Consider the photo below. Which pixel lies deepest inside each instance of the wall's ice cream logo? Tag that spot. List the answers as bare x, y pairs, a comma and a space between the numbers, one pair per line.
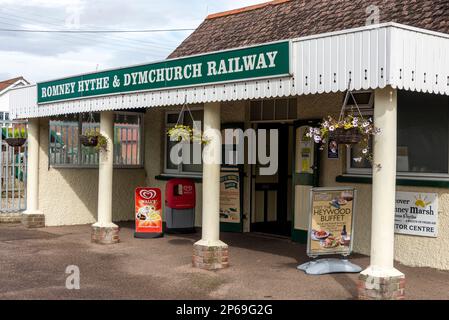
422, 202
147, 194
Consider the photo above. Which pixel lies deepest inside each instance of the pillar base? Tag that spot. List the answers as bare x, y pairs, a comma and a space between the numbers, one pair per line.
378, 286
210, 257
105, 235
11, 218
33, 220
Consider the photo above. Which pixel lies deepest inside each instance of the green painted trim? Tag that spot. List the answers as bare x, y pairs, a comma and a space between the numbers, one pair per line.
399, 181
303, 179
231, 227
299, 236
166, 177
343, 179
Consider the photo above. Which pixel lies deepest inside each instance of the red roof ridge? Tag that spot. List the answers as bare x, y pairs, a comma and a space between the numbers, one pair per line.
245, 9
9, 82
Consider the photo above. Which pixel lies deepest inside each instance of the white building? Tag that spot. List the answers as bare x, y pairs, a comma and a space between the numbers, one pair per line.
5, 87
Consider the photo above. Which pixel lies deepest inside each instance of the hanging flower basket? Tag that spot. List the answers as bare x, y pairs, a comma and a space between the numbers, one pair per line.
180, 133
183, 133
351, 128
15, 142
16, 137
93, 138
346, 136
89, 141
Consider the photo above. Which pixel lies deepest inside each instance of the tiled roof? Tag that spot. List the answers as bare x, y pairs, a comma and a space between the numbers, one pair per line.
6, 83
287, 19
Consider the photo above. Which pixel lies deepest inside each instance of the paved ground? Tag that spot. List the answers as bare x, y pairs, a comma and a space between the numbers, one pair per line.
33, 264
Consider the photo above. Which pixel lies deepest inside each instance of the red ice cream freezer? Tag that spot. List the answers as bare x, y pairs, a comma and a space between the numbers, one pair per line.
180, 200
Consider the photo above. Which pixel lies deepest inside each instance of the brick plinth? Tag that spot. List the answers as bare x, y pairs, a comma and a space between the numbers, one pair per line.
109, 235
381, 288
33, 220
210, 257
10, 218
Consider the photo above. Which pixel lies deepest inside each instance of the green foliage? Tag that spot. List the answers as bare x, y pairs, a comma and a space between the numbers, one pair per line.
102, 140
17, 133
186, 134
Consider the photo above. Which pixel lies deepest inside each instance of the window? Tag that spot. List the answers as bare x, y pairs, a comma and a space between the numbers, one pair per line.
4, 116
273, 110
422, 137
364, 99
65, 148
195, 167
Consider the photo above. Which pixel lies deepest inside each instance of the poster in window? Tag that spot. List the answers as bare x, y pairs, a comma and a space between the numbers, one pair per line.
305, 149
230, 196
332, 149
331, 221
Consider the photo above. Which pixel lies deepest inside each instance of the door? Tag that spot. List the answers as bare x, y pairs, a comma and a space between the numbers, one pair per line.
305, 177
272, 209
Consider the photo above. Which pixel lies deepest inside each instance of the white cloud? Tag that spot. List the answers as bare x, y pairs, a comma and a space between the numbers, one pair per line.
41, 56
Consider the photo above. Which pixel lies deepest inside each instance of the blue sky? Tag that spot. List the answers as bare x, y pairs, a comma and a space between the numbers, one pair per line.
41, 56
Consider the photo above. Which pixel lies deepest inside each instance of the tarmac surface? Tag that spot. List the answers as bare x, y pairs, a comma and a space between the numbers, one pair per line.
33, 266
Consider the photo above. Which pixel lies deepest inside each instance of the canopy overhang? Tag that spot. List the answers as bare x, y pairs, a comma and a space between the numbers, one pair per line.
366, 58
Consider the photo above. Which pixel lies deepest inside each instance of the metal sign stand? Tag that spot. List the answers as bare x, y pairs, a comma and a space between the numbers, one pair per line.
329, 265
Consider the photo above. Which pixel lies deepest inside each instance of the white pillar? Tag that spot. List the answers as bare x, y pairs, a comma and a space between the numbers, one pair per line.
211, 178
105, 173
33, 168
384, 185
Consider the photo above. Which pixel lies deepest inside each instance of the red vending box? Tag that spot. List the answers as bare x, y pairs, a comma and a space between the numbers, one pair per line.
180, 198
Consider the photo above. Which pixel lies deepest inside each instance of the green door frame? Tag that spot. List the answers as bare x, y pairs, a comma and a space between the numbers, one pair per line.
308, 179
282, 225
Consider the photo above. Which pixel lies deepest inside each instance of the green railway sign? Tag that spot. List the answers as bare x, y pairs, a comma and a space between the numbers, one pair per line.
263, 61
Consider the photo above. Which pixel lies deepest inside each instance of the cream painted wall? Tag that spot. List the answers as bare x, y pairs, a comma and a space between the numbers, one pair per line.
69, 196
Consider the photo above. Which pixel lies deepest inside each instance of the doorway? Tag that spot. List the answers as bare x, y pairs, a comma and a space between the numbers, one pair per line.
272, 194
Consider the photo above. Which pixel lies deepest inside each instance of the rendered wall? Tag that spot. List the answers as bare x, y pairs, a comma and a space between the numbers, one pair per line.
69, 196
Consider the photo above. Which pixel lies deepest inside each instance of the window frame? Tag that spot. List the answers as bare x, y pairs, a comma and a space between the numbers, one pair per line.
141, 147
177, 172
367, 172
274, 120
